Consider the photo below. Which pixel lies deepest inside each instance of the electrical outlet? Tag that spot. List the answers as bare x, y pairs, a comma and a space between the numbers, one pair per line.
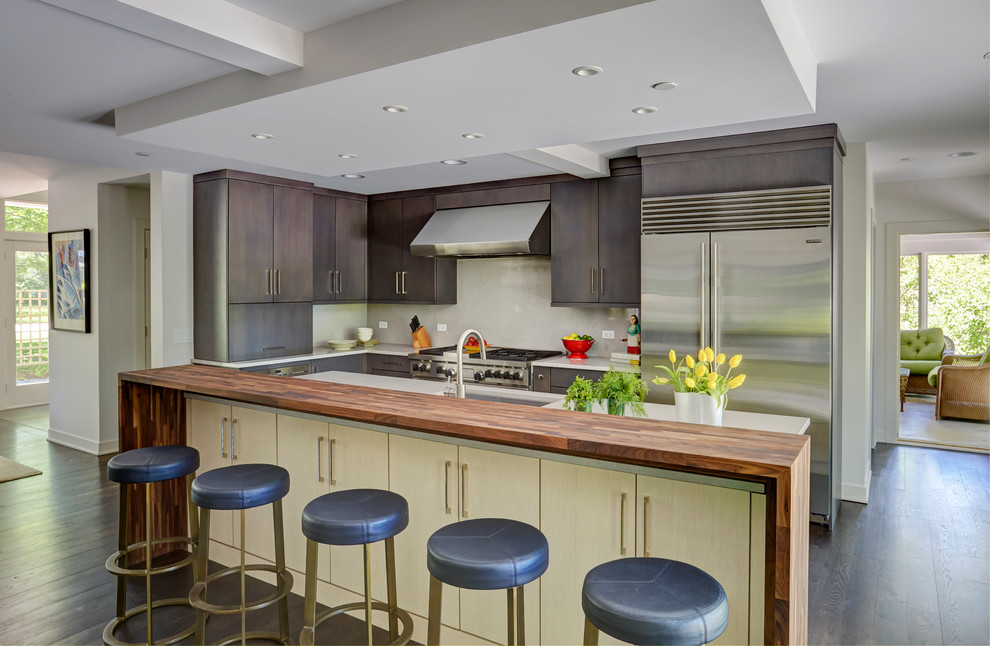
183, 335
608, 334
441, 327
382, 324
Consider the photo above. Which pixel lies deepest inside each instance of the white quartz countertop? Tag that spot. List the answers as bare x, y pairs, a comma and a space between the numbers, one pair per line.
319, 352
600, 364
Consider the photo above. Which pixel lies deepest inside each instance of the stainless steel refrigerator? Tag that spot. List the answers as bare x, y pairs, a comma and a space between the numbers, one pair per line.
749, 273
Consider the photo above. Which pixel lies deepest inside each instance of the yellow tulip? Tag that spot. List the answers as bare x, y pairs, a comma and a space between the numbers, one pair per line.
702, 355
689, 382
711, 379
661, 380
736, 381
673, 356
734, 361
700, 370
689, 360
720, 359
709, 355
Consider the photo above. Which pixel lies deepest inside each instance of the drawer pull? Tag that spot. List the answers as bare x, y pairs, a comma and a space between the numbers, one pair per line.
319, 459
622, 525
223, 440
464, 511
233, 452
446, 486
646, 527
333, 479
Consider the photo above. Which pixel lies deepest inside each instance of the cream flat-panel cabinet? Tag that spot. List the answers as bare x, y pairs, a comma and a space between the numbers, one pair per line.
425, 474
588, 517
226, 435
708, 527
498, 485
302, 450
358, 459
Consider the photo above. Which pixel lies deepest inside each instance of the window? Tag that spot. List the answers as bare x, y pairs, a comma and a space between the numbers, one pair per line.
26, 217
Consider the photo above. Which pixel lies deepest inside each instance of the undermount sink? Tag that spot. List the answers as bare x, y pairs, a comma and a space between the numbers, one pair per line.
505, 399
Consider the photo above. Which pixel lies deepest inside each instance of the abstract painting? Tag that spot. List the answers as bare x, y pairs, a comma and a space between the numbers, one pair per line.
69, 273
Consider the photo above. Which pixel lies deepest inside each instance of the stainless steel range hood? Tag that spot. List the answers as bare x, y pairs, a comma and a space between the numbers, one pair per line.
482, 231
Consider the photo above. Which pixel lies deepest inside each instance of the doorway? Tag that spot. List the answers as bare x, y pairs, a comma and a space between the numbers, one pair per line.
26, 323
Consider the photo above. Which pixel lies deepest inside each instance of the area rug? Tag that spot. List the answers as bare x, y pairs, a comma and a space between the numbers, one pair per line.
10, 470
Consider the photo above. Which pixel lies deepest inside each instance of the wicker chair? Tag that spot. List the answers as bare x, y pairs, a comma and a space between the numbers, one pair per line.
922, 350
962, 390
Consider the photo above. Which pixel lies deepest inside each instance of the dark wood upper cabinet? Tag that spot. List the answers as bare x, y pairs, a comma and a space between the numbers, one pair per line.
594, 242
395, 275
250, 217
293, 245
340, 249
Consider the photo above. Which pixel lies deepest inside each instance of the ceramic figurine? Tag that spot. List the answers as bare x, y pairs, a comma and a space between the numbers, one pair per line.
632, 343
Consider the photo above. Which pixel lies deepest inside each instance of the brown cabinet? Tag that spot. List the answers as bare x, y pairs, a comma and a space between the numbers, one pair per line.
395, 275
558, 380
387, 365
594, 242
340, 249
252, 266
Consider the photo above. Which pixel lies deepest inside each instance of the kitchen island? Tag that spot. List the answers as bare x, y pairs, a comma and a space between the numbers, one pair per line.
587, 480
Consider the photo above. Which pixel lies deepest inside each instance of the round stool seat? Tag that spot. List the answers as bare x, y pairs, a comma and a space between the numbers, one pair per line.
655, 601
241, 486
487, 554
355, 517
152, 464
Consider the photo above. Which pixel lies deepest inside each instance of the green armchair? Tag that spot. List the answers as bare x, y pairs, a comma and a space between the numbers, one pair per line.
922, 351
962, 383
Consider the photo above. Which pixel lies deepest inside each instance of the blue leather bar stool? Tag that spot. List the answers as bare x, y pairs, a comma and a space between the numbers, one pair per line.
145, 466
486, 554
242, 487
355, 517
653, 601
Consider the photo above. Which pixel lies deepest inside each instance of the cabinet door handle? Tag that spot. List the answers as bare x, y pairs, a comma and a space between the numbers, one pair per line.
446, 485
396, 283
646, 527
268, 274
403, 282
592, 281
330, 280
464, 511
233, 453
601, 281
278, 281
622, 525
333, 479
319, 459
339, 289
223, 440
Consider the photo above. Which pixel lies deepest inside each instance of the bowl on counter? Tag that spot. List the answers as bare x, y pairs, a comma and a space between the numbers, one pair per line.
577, 347
344, 344
364, 334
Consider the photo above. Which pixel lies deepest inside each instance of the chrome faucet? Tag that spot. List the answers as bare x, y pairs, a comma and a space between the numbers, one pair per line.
461, 392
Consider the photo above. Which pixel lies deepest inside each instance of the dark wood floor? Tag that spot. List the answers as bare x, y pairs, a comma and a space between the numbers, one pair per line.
910, 567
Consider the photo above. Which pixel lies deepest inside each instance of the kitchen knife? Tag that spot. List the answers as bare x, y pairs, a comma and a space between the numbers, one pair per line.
414, 324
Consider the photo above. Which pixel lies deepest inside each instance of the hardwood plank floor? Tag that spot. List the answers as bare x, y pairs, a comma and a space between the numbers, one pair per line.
913, 566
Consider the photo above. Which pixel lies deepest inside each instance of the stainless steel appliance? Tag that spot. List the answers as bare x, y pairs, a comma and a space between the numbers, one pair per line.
749, 273
504, 367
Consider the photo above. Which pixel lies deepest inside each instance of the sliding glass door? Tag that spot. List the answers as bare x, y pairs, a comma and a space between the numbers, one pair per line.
26, 318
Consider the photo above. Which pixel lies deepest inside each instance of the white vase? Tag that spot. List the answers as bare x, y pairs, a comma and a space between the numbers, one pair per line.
698, 408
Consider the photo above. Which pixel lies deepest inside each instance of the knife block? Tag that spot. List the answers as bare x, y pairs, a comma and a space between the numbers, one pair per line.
421, 338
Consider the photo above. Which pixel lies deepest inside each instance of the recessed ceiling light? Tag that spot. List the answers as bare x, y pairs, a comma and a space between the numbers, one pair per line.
586, 70
352, 176
906, 159
664, 85
263, 135
453, 162
394, 108
472, 135
967, 153
644, 109
143, 154
347, 155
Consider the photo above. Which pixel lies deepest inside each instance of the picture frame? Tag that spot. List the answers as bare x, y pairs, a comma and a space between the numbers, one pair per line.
69, 258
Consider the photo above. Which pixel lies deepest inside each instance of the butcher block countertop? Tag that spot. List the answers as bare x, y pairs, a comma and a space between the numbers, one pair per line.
779, 461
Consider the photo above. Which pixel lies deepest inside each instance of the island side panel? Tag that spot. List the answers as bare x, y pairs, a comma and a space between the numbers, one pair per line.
153, 416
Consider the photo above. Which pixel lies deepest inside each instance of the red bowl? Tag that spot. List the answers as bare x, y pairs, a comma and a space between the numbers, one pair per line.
577, 347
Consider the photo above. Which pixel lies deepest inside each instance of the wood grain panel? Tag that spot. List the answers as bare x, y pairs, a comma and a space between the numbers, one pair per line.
780, 462
492, 196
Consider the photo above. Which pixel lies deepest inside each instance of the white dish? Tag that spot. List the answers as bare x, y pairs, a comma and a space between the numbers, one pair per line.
343, 344
363, 336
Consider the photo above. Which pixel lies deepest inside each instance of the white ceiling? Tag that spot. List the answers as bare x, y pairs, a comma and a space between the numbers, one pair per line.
911, 83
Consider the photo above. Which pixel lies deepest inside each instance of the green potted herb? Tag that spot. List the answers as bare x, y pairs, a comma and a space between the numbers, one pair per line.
621, 387
580, 395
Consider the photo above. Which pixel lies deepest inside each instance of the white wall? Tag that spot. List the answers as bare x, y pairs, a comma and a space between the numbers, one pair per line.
171, 269
508, 301
854, 415
948, 205
74, 387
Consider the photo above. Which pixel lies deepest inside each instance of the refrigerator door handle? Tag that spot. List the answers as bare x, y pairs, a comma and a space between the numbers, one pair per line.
704, 296
714, 338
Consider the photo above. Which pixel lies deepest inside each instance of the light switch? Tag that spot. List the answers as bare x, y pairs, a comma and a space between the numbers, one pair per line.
382, 324
441, 327
184, 335
608, 334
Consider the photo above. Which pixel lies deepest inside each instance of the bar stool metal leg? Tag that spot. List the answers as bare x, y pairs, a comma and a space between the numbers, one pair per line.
283, 603
590, 633
393, 604
433, 614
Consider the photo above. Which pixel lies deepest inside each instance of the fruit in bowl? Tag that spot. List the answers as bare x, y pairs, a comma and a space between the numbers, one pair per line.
578, 344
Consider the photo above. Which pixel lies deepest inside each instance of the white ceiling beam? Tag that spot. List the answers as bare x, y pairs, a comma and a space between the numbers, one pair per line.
212, 28
792, 38
569, 158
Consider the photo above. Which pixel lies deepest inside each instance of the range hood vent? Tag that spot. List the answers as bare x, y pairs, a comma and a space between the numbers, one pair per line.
486, 231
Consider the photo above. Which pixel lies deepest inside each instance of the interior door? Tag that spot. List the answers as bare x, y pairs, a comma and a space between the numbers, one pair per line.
675, 284
26, 318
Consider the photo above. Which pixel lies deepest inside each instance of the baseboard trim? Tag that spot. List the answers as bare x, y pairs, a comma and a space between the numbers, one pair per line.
857, 493
81, 443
